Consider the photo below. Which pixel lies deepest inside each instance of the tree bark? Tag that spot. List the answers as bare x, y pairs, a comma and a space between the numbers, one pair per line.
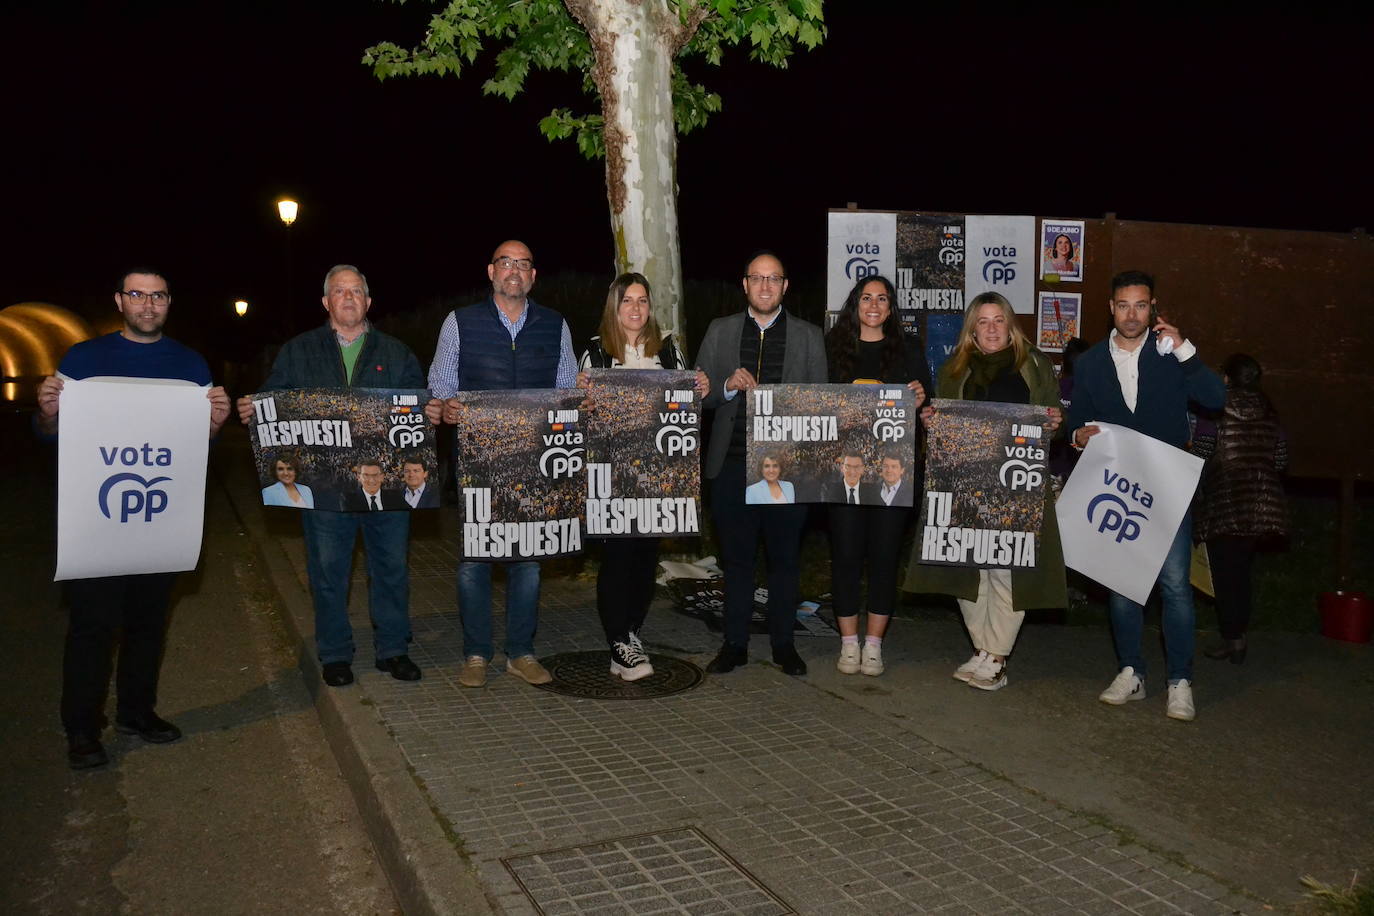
634, 43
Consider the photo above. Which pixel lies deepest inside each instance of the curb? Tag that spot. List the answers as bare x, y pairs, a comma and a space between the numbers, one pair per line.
428, 874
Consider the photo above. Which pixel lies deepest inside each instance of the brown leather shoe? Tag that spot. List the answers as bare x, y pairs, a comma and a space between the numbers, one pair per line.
528, 669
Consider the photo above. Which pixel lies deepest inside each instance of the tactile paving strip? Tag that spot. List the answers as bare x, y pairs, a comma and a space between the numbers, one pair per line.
678, 871
588, 675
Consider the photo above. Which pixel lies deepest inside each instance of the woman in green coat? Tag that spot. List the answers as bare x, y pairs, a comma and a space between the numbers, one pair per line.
995, 361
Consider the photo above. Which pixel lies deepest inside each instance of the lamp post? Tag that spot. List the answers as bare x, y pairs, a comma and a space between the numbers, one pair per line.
287, 210
241, 307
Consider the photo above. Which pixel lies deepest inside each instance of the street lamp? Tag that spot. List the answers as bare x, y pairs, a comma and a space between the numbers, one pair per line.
286, 209
241, 307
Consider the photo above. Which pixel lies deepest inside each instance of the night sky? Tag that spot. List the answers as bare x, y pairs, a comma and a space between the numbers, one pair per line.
162, 132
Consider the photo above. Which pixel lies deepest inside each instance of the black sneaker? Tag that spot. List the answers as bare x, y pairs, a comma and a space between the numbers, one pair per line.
400, 667
337, 674
148, 727
786, 658
728, 659
628, 662
85, 752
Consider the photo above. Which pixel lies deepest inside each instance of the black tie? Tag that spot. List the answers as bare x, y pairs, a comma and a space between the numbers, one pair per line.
853, 500
372, 502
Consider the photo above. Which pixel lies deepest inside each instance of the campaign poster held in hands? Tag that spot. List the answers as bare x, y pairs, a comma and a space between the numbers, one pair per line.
643, 453
985, 484
830, 443
130, 477
345, 449
521, 459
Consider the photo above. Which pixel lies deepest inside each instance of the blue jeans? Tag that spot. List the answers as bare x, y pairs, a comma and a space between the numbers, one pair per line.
1177, 618
329, 540
522, 607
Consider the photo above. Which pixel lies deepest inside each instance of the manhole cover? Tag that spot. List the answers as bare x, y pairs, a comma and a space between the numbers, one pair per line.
588, 674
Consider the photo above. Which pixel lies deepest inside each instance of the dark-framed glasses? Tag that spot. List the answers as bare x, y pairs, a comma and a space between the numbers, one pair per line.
139, 296
514, 263
762, 280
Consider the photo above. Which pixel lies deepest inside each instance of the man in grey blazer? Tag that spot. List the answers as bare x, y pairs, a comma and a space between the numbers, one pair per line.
762, 345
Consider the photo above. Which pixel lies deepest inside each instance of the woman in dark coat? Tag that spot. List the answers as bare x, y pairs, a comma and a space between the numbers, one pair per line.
1241, 497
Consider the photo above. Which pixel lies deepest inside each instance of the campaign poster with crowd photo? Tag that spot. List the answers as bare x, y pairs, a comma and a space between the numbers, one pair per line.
830, 443
643, 453
345, 449
985, 484
130, 477
1056, 320
1061, 250
521, 459
930, 265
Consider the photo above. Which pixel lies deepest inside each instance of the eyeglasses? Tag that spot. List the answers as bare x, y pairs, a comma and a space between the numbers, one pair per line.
514, 263
760, 280
138, 295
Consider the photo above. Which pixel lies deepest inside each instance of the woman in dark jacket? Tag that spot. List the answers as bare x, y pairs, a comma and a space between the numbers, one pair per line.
868, 346
1241, 497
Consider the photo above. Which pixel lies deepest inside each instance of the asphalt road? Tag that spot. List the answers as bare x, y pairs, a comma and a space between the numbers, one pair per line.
246, 814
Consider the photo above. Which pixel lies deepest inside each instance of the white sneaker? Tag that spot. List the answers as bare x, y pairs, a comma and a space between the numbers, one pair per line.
848, 662
1180, 704
990, 675
872, 660
965, 671
1125, 686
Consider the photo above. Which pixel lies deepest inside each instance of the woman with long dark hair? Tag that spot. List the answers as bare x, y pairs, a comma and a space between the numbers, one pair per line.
868, 345
630, 338
1241, 496
995, 361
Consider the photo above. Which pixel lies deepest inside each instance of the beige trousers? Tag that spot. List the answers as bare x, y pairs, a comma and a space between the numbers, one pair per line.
991, 622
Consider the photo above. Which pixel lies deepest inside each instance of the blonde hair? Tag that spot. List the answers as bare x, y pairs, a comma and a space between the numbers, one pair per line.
967, 346
612, 337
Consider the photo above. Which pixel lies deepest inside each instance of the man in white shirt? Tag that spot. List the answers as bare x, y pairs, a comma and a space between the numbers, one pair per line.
1143, 377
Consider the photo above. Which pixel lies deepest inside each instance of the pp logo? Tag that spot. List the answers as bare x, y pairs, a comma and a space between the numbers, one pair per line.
858, 268
996, 272
406, 436
886, 429
557, 463
132, 500
675, 440
1018, 475
1115, 516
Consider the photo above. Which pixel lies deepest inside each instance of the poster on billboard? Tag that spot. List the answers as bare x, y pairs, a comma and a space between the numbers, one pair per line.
1061, 250
1056, 320
1000, 258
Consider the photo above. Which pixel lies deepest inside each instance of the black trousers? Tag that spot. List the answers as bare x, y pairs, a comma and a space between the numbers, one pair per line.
625, 585
739, 528
132, 609
1233, 561
859, 534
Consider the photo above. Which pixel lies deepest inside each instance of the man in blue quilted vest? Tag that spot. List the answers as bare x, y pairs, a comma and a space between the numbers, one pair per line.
506, 341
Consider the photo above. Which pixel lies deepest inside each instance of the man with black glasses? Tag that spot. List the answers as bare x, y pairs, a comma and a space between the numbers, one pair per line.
508, 341
132, 608
762, 345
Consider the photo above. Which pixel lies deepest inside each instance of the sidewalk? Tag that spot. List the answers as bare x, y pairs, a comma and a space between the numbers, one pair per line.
759, 793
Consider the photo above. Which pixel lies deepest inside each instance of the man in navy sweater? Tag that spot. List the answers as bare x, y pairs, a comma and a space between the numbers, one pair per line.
507, 341
1142, 377
133, 607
